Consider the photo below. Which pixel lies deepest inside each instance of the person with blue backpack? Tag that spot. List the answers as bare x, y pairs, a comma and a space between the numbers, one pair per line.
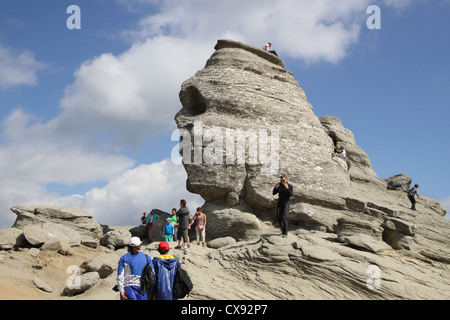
165, 269
129, 272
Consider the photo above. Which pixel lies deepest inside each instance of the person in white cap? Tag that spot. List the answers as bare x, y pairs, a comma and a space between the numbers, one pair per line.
131, 266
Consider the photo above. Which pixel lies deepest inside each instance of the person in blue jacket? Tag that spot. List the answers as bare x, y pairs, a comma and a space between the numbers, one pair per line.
130, 270
165, 270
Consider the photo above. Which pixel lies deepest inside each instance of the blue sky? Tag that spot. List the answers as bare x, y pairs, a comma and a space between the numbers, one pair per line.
86, 116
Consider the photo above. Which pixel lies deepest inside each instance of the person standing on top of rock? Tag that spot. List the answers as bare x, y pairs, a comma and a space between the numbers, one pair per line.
267, 47
411, 195
285, 191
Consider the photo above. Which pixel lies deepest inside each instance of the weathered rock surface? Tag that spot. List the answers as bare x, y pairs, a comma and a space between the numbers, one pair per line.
78, 220
246, 96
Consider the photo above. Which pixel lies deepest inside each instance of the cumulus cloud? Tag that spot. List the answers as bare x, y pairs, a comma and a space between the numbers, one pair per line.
18, 68
311, 30
159, 185
133, 94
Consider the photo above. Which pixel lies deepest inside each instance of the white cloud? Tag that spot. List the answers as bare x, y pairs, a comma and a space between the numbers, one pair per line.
310, 30
158, 185
18, 68
132, 94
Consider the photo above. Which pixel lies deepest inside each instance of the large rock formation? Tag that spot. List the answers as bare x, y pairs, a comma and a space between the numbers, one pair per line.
245, 120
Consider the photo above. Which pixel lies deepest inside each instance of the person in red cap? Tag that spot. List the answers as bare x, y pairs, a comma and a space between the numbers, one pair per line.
165, 269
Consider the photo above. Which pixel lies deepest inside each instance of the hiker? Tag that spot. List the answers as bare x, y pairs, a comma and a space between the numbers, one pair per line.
174, 221
183, 225
168, 230
285, 191
267, 47
411, 195
144, 218
165, 270
131, 266
200, 229
151, 220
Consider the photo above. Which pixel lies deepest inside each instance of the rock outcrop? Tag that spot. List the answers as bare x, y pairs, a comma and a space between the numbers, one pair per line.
245, 120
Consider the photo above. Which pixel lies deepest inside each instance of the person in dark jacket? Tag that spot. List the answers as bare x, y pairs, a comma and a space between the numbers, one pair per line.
165, 269
411, 196
183, 225
285, 191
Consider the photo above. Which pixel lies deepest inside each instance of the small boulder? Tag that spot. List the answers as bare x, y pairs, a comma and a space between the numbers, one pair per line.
116, 238
41, 285
221, 242
78, 284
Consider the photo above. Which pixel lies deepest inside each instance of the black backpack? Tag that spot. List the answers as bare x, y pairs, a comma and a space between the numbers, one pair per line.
148, 278
182, 284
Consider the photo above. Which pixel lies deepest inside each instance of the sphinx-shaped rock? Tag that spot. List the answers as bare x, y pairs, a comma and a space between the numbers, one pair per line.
245, 120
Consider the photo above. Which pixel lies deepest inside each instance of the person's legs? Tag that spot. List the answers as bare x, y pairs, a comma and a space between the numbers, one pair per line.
197, 234
282, 212
413, 202
203, 235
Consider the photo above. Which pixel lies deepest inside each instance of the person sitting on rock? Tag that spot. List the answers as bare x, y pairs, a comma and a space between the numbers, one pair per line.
341, 151
267, 47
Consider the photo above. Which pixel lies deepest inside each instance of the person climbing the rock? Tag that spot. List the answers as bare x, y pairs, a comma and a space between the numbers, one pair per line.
131, 266
285, 192
412, 194
341, 151
267, 47
200, 228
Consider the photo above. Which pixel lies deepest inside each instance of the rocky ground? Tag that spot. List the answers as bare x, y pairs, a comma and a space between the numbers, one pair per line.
306, 265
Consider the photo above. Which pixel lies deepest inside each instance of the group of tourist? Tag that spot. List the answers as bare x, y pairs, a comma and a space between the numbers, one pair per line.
177, 226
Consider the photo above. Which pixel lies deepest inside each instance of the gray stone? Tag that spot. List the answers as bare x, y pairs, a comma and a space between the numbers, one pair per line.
41, 285
80, 283
399, 182
221, 242
104, 264
11, 238
76, 219
116, 238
